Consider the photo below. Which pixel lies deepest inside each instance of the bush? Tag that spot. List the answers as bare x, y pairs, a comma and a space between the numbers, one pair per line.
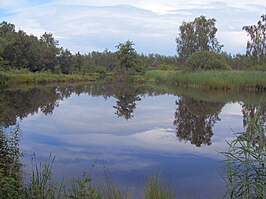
258, 67
166, 67
205, 60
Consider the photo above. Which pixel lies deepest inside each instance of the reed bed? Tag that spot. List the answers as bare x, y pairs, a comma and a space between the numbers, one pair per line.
211, 79
23, 76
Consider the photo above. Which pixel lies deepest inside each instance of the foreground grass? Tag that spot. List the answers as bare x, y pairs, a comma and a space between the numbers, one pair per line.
211, 79
245, 162
22, 76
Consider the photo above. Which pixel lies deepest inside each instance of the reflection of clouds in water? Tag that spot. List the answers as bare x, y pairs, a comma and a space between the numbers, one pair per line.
232, 109
96, 115
231, 122
84, 131
123, 152
85, 128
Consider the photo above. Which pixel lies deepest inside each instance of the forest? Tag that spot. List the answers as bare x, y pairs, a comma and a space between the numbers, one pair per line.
198, 50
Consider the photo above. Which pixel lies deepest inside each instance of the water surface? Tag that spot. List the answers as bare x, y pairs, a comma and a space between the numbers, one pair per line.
130, 132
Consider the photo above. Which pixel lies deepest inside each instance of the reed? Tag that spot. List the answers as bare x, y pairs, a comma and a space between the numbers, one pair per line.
43, 185
245, 162
24, 76
157, 188
211, 79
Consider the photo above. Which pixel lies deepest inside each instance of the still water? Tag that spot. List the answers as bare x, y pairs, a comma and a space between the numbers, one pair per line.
130, 132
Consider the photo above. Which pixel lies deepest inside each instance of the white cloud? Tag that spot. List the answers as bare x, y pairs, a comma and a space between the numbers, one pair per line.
152, 24
233, 39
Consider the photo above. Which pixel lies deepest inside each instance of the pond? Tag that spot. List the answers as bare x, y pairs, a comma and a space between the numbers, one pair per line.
131, 132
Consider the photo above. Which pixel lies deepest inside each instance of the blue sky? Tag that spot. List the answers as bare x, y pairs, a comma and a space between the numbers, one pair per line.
87, 25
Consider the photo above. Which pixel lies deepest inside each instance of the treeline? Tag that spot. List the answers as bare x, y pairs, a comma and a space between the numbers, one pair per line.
19, 50
197, 49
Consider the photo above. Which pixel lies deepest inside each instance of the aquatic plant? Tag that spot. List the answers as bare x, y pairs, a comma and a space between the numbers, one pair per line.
158, 188
245, 162
10, 167
211, 79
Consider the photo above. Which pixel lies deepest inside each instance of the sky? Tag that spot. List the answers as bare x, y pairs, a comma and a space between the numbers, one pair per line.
93, 25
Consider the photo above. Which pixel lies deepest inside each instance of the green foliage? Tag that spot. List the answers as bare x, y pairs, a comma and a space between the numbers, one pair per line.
127, 56
82, 189
157, 188
155, 61
10, 167
66, 60
245, 162
166, 67
42, 184
25, 76
211, 79
206, 60
3, 78
198, 35
111, 191
6, 28
256, 44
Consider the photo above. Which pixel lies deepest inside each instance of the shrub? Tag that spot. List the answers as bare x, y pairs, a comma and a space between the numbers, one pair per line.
166, 67
206, 60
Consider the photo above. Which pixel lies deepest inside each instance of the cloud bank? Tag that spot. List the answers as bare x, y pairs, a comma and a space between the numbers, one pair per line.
153, 25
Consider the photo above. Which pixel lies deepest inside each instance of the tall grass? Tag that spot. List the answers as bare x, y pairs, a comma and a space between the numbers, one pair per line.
246, 162
211, 79
43, 185
158, 188
10, 167
24, 76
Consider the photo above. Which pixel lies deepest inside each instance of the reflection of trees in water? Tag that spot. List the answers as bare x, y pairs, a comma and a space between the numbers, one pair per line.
250, 113
250, 110
245, 159
194, 120
20, 103
126, 95
125, 105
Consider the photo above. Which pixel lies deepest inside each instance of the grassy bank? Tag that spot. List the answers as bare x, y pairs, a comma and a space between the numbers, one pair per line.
23, 76
211, 79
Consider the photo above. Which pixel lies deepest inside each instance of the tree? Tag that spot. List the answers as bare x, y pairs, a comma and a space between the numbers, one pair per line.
198, 35
256, 45
66, 61
127, 55
6, 28
206, 60
49, 51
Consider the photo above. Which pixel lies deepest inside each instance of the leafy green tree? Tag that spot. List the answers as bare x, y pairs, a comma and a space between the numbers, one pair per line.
205, 60
66, 61
16, 50
127, 55
256, 45
49, 51
6, 28
198, 35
